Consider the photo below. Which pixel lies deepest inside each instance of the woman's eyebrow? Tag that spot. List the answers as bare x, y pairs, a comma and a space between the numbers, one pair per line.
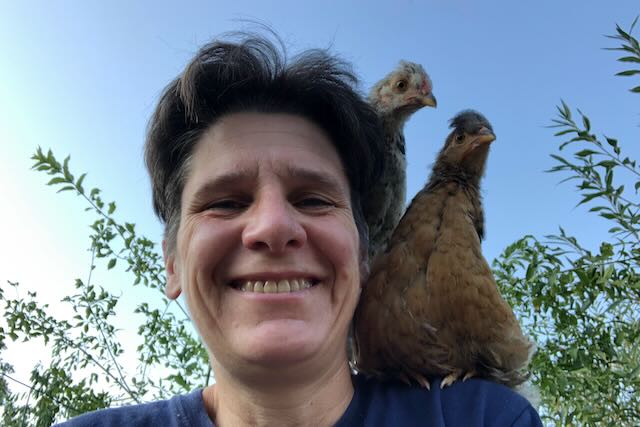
226, 180
322, 179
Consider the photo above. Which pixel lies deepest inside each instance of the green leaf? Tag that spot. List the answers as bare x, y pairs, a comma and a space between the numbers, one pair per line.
607, 163
623, 34
628, 73
609, 178
530, 272
565, 111
629, 59
65, 170
591, 196
585, 152
79, 183
56, 180
635, 89
633, 24
112, 208
563, 132
68, 187
112, 263
559, 159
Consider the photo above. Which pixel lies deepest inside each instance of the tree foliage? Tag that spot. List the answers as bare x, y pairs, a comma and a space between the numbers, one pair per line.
581, 305
86, 350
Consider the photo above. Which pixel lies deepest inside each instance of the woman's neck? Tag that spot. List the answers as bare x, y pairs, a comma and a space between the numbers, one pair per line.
319, 401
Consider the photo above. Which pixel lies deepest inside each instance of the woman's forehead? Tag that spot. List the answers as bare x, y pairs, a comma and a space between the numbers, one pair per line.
240, 127
267, 136
246, 145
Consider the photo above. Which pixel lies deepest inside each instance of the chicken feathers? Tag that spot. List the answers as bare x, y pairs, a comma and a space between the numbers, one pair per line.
431, 306
396, 97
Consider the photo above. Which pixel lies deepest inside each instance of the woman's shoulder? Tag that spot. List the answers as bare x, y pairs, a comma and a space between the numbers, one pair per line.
469, 403
182, 410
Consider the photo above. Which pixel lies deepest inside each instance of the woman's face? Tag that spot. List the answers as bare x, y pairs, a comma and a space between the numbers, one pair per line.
267, 249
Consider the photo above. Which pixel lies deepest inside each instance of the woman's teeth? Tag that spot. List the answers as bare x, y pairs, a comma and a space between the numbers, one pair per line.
275, 286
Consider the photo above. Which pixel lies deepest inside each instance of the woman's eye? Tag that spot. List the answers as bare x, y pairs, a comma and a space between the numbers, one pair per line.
226, 205
313, 202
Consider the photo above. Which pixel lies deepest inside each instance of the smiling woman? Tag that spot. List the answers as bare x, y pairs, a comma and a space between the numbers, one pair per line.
267, 202
257, 169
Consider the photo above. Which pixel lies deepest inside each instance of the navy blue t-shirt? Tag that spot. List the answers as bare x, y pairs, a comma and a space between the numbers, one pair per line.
474, 402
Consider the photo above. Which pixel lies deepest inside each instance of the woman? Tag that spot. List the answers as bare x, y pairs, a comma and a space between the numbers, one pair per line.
257, 169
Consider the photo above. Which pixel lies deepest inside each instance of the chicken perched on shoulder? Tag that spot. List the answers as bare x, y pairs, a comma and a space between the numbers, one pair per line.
431, 306
396, 97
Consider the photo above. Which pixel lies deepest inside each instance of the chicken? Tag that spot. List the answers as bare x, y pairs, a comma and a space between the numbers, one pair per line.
431, 306
396, 97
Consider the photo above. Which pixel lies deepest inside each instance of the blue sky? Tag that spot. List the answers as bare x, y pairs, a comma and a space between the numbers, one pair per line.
82, 78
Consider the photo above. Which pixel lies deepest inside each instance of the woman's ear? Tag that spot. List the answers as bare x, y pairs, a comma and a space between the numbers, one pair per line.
173, 288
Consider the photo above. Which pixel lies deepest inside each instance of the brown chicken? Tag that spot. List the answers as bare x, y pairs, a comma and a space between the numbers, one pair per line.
431, 306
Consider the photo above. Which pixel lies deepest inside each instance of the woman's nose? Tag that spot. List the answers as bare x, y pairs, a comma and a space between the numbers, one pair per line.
273, 226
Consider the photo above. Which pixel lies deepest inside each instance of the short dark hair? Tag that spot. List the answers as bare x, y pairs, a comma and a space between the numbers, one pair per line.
252, 75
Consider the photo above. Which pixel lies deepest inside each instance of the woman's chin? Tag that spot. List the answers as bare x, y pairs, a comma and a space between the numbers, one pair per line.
281, 343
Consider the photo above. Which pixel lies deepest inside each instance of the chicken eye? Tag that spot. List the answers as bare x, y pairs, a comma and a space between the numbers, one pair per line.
460, 138
401, 85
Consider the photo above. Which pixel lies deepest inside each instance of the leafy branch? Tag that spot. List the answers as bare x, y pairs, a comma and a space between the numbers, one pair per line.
582, 306
594, 167
631, 49
171, 359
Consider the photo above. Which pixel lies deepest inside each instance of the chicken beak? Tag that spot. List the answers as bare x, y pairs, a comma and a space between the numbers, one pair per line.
429, 100
485, 137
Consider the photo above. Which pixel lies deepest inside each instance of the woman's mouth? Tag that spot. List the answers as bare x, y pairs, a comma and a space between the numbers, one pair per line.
273, 286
